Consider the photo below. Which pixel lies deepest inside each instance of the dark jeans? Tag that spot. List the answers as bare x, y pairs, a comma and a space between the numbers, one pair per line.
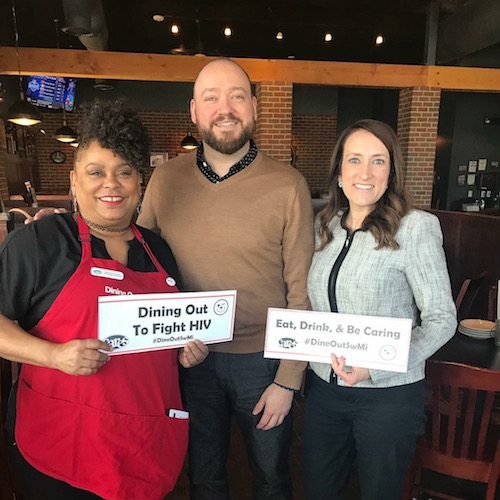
212, 391
376, 427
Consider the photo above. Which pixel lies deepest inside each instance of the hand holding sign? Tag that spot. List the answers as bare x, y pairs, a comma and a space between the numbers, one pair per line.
351, 377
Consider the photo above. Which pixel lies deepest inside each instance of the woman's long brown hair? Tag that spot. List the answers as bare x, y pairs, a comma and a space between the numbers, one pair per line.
383, 222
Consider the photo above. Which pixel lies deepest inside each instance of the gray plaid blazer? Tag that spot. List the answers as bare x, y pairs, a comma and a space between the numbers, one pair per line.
411, 282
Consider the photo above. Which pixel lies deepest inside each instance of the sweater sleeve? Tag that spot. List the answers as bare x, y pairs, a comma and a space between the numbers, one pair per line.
298, 248
427, 275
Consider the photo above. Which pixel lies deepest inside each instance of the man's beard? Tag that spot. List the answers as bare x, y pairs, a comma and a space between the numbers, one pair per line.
227, 145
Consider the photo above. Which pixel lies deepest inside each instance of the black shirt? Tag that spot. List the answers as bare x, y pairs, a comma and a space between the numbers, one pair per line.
207, 171
37, 260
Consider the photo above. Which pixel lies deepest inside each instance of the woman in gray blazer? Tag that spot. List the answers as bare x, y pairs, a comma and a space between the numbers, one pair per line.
375, 256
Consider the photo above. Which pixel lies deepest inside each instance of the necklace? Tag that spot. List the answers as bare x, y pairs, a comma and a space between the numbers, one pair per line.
109, 229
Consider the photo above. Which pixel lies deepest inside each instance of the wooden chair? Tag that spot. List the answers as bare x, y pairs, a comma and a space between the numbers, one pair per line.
468, 293
461, 438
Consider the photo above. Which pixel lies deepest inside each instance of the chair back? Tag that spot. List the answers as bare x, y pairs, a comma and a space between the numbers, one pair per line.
461, 438
468, 294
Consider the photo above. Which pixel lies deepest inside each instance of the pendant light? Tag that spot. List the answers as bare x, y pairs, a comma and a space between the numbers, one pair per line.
65, 133
189, 142
21, 112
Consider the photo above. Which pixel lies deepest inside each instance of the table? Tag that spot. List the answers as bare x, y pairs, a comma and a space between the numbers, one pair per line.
463, 349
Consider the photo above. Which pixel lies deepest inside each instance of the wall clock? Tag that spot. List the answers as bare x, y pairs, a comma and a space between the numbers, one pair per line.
58, 157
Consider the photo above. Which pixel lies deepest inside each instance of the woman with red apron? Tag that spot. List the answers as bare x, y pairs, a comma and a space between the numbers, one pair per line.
109, 432
97, 423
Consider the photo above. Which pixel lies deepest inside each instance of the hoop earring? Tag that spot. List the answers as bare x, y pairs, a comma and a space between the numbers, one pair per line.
139, 205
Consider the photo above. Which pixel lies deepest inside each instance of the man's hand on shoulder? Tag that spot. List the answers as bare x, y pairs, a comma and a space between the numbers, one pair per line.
44, 212
275, 403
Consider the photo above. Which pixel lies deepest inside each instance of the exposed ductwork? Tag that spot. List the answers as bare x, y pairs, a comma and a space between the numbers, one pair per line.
85, 19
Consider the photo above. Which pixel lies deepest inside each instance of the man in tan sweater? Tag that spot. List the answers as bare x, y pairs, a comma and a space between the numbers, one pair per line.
236, 219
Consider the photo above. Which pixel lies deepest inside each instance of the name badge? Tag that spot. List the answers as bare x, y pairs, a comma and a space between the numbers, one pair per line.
106, 273
365, 341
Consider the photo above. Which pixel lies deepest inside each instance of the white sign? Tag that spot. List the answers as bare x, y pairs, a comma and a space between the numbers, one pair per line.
147, 322
364, 341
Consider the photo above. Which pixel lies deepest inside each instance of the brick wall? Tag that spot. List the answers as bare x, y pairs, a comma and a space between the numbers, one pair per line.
313, 139
417, 130
54, 178
166, 129
273, 133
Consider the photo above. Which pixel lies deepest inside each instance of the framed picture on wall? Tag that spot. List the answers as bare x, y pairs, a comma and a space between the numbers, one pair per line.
471, 179
472, 166
462, 168
461, 179
156, 159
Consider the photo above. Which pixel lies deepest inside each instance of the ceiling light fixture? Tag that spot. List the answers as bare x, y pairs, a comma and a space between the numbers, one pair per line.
21, 112
65, 133
189, 142
379, 40
328, 37
159, 18
199, 50
280, 35
174, 29
228, 31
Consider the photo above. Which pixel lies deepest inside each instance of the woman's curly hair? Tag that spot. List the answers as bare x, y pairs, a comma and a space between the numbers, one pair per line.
117, 127
383, 222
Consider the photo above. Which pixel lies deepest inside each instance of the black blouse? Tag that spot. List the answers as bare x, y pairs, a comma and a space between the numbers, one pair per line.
37, 260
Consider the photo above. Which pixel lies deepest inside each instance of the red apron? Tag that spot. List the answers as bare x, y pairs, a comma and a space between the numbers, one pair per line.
107, 433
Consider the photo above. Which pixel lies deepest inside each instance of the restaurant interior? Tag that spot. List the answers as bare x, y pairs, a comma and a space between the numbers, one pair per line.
429, 69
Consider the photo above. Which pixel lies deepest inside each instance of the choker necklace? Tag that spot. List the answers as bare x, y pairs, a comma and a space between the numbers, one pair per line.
109, 229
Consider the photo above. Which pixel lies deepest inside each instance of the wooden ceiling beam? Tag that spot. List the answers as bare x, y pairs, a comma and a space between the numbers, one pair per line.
170, 68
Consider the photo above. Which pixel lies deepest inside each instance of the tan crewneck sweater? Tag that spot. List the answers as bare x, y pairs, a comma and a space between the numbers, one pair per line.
252, 232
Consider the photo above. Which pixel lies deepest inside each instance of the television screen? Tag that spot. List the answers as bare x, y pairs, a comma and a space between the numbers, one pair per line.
51, 92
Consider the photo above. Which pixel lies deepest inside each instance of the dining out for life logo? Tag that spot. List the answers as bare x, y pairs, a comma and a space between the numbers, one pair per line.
116, 341
287, 343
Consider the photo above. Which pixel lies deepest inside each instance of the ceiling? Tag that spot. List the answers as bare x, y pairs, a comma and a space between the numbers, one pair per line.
457, 32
